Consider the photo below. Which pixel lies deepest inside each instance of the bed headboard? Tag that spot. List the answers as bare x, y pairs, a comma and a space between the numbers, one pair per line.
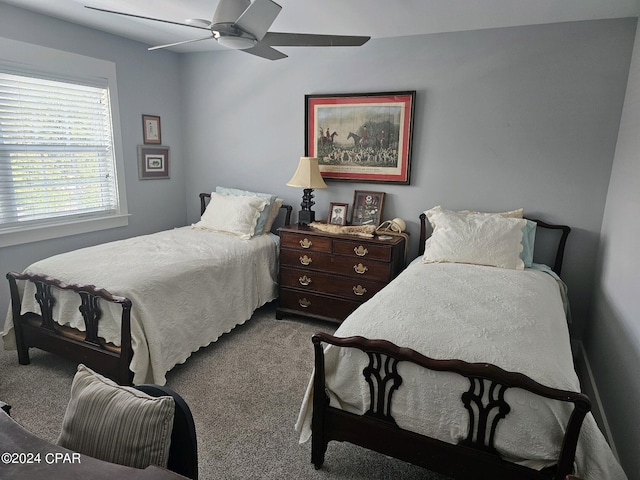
557, 249
205, 197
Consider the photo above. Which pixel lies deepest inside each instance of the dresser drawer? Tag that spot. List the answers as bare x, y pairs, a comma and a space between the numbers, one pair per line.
307, 303
353, 267
362, 250
327, 276
357, 289
311, 243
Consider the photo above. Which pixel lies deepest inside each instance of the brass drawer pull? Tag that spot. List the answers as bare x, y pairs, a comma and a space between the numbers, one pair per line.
360, 269
360, 251
306, 243
359, 290
304, 303
304, 280
305, 260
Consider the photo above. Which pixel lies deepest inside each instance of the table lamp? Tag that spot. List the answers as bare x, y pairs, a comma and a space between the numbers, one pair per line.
307, 176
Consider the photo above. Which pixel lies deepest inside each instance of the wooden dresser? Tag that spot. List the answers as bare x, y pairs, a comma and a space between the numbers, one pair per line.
327, 276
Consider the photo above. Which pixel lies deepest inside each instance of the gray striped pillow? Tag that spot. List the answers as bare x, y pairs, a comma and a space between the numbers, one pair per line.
117, 424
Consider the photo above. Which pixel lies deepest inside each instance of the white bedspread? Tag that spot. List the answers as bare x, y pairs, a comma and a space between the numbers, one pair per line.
513, 319
188, 287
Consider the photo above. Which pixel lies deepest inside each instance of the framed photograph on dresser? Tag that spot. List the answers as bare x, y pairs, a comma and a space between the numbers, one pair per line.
338, 213
367, 207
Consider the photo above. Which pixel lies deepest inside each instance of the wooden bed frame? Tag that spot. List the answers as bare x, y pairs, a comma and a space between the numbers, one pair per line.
475, 456
43, 332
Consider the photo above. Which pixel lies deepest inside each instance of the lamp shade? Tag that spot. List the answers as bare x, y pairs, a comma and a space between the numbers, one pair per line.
307, 174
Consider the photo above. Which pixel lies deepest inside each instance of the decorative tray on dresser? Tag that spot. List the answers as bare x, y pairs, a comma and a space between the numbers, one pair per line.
327, 276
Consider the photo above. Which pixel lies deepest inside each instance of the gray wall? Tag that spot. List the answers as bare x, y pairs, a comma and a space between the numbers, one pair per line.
147, 83
505, 118
612, 336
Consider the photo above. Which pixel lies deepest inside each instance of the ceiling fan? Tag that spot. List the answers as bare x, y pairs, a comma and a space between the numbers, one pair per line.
243, 25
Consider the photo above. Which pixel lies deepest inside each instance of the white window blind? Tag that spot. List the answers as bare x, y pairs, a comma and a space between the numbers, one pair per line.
56, 150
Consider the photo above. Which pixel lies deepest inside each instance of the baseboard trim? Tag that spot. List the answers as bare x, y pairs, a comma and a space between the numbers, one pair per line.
589, 387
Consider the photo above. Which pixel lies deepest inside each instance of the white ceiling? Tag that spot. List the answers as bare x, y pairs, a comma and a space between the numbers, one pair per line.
377, 18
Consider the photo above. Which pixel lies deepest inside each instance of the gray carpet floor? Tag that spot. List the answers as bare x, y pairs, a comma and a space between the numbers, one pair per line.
244, 391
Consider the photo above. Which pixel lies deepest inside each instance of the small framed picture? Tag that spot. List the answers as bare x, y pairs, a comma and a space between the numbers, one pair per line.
367, 207
338, 213
151, 129
153, 162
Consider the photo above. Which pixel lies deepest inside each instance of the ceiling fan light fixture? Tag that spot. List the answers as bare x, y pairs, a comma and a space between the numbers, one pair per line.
235, 42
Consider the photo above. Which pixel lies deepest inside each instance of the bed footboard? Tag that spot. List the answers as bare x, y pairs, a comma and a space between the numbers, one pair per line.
475, 457
41, 330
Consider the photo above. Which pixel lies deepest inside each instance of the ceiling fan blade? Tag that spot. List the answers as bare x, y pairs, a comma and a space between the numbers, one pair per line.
147, 18
228, 11
265, 51
279, 39
180, 43
257, 19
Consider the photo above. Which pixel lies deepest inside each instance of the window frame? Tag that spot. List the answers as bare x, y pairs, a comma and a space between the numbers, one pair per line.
65, 64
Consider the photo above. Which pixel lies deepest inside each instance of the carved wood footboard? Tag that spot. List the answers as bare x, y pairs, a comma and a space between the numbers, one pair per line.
474, 457
40, 330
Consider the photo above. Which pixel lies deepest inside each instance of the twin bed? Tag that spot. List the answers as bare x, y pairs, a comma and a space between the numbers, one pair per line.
469, 311
160, 297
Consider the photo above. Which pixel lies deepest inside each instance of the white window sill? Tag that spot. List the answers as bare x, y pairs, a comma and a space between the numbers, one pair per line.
47, 232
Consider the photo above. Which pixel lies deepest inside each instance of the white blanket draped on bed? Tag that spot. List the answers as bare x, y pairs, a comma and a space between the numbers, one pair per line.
513, 319
188, 287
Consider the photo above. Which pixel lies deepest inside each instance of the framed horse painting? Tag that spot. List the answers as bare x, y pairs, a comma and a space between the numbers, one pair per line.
361, 137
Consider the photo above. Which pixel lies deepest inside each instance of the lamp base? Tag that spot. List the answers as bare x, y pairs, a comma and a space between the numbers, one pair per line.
305, 217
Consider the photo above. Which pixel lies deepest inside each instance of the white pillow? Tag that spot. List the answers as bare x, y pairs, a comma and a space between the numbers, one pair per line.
519, 213
475, 238
273, 214
233, 214
264, 215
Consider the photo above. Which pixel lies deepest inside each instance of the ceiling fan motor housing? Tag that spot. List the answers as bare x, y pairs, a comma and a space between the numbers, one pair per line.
236, 40
226, 14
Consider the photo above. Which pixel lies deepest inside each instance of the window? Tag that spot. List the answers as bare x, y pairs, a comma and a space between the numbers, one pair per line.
56, 154
59, 170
